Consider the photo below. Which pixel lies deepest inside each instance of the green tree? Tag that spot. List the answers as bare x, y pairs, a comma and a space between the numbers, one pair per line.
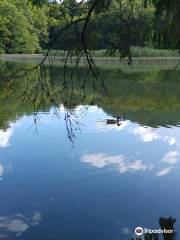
167, 27
39, 2
39, 21
17, 36
4, 33
37, 16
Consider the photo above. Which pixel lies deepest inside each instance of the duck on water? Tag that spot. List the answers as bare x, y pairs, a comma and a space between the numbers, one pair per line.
117, 121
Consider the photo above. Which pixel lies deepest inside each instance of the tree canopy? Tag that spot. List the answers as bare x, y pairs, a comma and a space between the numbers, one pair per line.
27, 26
23, 27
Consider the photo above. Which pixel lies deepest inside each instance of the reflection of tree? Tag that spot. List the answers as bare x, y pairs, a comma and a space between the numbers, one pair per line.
165, 223
168, 223
46, 88
148, 98
73, 86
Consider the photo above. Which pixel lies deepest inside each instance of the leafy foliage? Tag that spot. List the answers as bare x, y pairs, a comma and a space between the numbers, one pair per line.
22, 27
26, 26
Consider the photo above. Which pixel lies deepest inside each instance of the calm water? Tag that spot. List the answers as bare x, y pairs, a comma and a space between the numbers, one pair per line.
111, 179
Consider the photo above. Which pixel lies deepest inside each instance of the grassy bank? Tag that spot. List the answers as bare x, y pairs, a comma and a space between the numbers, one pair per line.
135, 52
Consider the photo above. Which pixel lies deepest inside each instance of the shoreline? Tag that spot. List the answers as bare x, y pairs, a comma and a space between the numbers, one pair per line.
98, 60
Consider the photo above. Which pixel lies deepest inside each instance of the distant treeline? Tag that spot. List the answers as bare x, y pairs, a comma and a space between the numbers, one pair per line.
28, 26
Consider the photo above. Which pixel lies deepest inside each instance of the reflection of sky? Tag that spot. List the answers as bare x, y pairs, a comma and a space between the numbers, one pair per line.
95, 189
155, 150
137, 152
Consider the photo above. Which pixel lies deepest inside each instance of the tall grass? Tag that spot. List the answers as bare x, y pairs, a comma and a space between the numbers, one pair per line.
151, 52
143, 52
135, 52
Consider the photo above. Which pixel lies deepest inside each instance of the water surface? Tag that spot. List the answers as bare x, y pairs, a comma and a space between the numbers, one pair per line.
106, 182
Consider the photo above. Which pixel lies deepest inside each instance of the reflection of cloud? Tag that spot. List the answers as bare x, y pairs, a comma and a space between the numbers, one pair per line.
36, 218
79, 108
17, 224
126, 231
170, 140
5, 137
1, 169
133, 166
146, 134
100, 160
171, 157
164, 171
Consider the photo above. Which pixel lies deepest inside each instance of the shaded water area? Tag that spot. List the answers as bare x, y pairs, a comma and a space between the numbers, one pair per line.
67, 173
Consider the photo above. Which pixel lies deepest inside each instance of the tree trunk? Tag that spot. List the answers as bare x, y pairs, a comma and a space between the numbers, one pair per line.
177, 16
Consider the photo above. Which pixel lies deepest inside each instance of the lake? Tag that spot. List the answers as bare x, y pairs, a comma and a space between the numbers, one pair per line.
66, 172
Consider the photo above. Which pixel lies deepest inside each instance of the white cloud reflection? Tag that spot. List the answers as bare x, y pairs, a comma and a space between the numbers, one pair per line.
5, 136
80, 108
170, 140
164, 171
123, 165
17, 224
148, 134
1, 170
171, 157
36, 218
101, 160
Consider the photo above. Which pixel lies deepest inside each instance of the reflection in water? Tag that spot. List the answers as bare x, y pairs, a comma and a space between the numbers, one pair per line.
131, 163
165, 224
164, 171
17, 224
171, 157
148, 97
168, 223
5, 136
121, 163
87, 200
100, 160
147, 134
1, 170
101, 125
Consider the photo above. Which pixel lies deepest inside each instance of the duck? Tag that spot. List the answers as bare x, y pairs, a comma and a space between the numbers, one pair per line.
114, 121
111, 121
